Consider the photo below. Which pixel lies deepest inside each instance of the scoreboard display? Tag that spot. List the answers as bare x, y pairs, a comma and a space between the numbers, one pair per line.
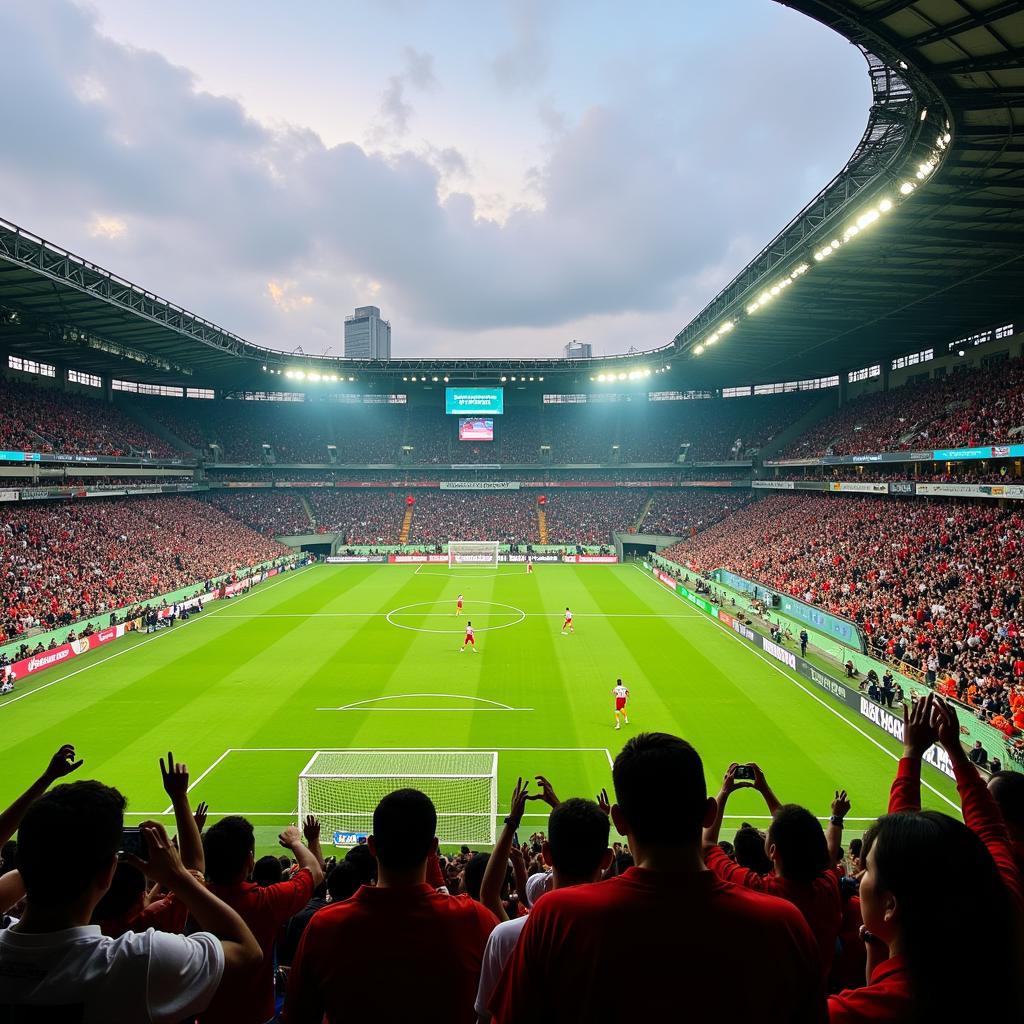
474, 401
476, 428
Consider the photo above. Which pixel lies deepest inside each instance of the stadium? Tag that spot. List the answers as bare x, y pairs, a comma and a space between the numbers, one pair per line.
791, 534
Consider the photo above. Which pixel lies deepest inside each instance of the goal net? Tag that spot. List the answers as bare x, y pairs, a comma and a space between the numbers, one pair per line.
472, 552
342, 788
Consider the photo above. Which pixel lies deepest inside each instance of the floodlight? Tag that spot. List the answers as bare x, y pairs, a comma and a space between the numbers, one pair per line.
503, 379
446, 380
434, 379
885, 205
907, 187
622, 376
946, 138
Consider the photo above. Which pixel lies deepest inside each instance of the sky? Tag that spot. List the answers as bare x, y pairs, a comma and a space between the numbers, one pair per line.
499, 177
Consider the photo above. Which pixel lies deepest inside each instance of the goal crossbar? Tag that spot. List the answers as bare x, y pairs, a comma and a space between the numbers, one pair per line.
483, 553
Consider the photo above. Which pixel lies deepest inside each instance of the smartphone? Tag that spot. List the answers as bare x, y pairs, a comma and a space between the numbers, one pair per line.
515, 840
133, 840
744, 772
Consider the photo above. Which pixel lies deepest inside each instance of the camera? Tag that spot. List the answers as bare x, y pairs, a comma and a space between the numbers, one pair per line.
744, 772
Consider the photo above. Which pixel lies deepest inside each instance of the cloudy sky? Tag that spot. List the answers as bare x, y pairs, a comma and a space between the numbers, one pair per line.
499, 177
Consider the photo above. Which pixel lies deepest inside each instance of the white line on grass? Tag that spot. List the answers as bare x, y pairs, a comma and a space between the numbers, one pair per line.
810, 693
449, 615
444, 710
167, 631
331, 750
403, 696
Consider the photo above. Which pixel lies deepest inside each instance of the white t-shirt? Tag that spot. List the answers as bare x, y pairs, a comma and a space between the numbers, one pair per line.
536, 885
500, 944
139, 977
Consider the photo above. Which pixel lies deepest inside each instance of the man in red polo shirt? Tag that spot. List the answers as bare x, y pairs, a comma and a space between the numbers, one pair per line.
399, 951
230, 849
666, 940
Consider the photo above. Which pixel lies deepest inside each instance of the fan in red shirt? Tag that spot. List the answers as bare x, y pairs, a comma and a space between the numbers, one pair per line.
667, 940
229, 847
399, 951
804, 868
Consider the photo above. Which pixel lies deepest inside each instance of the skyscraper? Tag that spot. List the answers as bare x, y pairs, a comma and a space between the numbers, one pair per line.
579, 350
366, 335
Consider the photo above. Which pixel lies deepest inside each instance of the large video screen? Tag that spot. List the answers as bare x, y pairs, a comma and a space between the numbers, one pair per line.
474, 401
476, 428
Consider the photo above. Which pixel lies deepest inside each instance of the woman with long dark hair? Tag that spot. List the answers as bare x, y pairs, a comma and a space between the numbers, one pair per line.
931, 889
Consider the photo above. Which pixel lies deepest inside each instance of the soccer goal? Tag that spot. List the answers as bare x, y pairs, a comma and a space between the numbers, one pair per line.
472, 553
342, 788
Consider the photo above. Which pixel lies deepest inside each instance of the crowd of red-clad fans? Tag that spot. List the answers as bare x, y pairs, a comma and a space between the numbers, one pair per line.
974, 406
672, 922
44, 420
584, 516
271, 512
509, 517
934, 584
362, 517
62, 562
679, 512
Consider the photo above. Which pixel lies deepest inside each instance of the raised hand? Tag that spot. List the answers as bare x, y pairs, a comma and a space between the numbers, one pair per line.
946, 725
841, 804
730, 782
164, 865
603, 802
62, 763
918, 731
290, 837
517, 805
547, 792
311, 828
200, 815
175, 778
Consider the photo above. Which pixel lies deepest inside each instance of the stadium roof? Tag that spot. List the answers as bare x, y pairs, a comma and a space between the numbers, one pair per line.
936, 261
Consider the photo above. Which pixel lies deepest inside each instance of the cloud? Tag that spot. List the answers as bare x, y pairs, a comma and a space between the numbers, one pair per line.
524, 64
644, 203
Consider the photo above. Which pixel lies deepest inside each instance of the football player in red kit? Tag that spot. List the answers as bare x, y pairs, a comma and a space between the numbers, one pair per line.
458, 605
470, 640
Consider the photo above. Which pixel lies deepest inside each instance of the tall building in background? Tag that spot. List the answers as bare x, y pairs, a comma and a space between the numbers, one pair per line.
579, 350
366, 335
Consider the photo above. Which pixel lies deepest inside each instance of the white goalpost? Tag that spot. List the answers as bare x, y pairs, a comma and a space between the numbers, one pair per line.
342, 788
463, 553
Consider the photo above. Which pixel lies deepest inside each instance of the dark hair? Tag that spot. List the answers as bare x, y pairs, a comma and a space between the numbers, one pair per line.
8, 853
343, 881
578, 838
227, 845
856, 845
948, 889
267, 871
1007, 789
91, 813
473, 874
623, 861
125, 892
364, 862
660, 789
800, 843
404, 827
749, 845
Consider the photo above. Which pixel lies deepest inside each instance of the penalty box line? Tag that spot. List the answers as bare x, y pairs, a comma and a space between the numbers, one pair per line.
344, 750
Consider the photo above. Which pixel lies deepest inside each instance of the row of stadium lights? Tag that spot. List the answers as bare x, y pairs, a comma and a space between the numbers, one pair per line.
865, 220
435, 380
602, 378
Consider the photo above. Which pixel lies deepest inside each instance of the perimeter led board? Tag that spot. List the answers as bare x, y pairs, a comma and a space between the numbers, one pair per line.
474, 401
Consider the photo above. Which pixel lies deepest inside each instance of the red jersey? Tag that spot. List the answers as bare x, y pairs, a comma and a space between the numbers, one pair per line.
819, 901
403, 954
677, 936
887, 998
264, 909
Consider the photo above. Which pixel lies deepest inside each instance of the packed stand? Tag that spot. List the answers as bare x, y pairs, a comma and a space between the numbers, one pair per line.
64, 561
195, 925
680, 511
589, 516
39, 419
935, 585
975, 406
362, 517
273, 512
509, 517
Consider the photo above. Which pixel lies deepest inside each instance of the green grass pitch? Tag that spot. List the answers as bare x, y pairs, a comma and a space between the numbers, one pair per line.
237, 692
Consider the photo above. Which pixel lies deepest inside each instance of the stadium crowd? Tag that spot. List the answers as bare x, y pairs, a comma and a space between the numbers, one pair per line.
272, 512
62, 562
935, 585
678, 512
975, 406
509, 517
780, 926
363, 517
588, 516
40, 419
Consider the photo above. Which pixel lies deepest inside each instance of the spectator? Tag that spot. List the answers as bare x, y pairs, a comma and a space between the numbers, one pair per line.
803, 865
930, 881
53, 958
978, 755
668, 923
229, 845
577, 851
401, 939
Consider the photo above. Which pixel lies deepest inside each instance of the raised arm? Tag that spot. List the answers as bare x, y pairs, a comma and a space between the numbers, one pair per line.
291, 839
918, 735
62, 763
190, 842
761, 785
497, 863
834, 833
311, 830
241, 950
729, 783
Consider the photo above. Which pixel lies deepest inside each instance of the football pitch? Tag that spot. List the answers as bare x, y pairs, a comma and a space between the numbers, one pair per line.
343, 657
